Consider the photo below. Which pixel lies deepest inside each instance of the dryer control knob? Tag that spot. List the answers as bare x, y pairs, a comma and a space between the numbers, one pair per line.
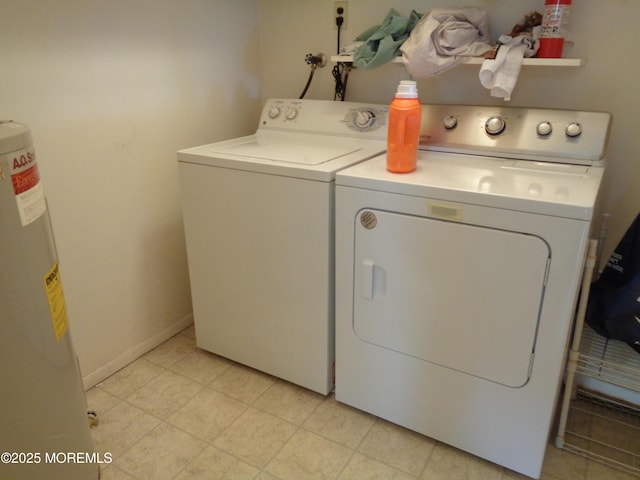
574, 129
292, 113
450, 122
544, 128
274, 112
495, 125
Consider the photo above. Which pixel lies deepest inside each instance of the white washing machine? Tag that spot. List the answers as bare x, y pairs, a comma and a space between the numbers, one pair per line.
258, 217
456, 283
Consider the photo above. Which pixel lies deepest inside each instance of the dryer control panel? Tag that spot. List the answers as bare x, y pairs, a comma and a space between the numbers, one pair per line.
564, 136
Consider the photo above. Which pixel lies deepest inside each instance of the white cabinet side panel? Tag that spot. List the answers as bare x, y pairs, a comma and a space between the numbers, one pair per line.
260, 262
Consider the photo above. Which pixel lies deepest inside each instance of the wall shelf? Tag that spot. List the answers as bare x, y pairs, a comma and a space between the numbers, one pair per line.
537, 62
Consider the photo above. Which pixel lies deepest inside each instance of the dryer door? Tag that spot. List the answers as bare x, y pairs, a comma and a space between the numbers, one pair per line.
463, 297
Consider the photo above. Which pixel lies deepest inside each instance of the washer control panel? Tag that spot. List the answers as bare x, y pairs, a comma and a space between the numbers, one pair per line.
326, 117
564, 136
283, 112
366, 118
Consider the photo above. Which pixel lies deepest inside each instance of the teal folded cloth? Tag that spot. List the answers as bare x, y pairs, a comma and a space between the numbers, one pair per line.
382, 42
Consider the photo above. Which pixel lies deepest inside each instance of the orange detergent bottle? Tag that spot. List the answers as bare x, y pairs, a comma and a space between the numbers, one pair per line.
404, 129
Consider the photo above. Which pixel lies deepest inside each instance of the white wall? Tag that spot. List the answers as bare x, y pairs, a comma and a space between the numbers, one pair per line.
111, 89
605, 34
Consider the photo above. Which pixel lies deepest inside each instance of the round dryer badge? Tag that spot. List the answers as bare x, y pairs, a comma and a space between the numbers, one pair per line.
27, 187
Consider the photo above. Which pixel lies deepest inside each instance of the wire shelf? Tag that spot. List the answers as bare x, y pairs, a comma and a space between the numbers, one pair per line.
600, 414
610, 361
604, 430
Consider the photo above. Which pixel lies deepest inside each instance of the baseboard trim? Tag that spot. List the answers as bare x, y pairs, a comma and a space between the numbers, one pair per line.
135, 352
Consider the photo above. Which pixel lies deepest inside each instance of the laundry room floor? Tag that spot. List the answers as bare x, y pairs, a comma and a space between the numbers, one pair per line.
182, 413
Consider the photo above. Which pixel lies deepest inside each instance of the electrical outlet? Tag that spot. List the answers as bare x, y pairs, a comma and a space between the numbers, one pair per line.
340, 9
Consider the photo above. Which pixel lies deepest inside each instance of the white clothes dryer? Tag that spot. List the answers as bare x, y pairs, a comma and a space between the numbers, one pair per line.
258, 217
456, 283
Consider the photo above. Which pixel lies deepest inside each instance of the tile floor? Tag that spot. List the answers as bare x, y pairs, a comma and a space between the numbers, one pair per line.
182, 413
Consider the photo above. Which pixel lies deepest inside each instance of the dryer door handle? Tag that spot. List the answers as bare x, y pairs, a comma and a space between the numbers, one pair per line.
367, 278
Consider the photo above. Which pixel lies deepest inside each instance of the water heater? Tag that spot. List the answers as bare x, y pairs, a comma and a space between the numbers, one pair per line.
44, 431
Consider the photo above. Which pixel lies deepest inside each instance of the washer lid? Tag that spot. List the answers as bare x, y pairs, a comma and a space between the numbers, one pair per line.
299, 155
291, 149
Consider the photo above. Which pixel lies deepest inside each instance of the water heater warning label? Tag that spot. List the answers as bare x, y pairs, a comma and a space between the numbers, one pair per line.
57, 305
27, 187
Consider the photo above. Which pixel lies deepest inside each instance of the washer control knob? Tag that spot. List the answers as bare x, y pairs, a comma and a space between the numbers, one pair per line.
450, 122
495, 125
544, 128
291, 113
364, 119
574, 129
274, 112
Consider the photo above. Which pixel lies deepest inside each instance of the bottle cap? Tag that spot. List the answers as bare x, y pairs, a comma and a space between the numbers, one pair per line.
407, 89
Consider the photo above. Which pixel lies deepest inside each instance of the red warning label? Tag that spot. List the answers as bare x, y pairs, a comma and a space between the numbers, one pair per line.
27, 188
25, 180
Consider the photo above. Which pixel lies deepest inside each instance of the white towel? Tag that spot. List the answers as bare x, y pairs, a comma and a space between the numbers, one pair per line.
501, 74
444, 38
